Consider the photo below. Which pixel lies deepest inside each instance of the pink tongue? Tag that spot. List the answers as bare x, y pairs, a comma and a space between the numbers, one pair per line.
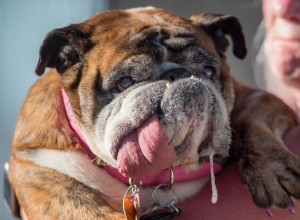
145, 150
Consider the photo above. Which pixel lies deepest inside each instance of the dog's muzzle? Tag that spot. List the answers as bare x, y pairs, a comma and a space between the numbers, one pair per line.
180, 118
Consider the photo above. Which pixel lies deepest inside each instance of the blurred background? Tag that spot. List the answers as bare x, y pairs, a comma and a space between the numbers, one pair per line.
24, 24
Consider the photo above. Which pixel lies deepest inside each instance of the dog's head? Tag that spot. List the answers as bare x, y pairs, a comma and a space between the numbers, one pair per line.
148, 89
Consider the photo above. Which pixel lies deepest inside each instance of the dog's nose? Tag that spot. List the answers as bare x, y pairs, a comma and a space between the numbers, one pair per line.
174, 74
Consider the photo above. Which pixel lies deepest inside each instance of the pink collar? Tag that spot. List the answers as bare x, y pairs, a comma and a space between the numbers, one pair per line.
161, 177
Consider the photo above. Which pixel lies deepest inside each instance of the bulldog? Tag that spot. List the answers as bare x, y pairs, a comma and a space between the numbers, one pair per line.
135, 104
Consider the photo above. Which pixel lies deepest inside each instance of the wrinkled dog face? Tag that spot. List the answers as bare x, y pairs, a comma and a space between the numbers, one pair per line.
149, 89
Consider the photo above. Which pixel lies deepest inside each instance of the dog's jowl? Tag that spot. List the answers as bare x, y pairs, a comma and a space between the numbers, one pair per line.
135, 104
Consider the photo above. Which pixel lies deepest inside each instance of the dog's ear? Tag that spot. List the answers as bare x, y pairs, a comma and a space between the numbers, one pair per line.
217, 26
64, 47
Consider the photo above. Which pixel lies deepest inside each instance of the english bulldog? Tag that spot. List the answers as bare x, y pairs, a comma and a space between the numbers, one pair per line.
135, 104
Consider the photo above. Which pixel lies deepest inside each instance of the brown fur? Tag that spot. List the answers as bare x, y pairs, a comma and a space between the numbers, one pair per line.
259, 120
55, 195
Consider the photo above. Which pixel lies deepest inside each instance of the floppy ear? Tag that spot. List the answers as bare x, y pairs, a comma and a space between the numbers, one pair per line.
63, 48
217, 26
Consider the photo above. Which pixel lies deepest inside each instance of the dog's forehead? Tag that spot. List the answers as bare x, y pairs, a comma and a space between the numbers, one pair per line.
133, 20
146, 16
120, 34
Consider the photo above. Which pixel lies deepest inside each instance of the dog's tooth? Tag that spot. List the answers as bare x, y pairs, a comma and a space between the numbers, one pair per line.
193, 77
168, 84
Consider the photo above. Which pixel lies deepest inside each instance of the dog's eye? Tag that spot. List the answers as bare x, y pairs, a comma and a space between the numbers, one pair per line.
124, 83
209, 72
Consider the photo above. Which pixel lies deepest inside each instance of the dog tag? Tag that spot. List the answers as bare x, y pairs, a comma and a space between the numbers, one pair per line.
137, 206
129, 208
131, 202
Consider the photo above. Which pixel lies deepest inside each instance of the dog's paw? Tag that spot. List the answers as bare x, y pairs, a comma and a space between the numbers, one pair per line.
273, 177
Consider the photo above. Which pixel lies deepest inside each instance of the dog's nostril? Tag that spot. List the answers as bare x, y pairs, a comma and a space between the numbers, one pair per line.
173, 74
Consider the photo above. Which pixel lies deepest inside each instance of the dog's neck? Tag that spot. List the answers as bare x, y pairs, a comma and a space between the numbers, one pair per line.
73, 124
161, 177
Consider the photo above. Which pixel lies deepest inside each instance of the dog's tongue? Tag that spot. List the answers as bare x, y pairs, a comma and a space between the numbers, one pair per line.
145, 150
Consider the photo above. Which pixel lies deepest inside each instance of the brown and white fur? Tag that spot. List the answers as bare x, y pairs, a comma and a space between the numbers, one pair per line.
51, 173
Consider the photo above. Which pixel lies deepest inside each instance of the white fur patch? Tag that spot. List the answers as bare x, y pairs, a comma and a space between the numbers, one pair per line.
140, 9
143, 17
81, 168
125, 114
77, 166
97, 146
